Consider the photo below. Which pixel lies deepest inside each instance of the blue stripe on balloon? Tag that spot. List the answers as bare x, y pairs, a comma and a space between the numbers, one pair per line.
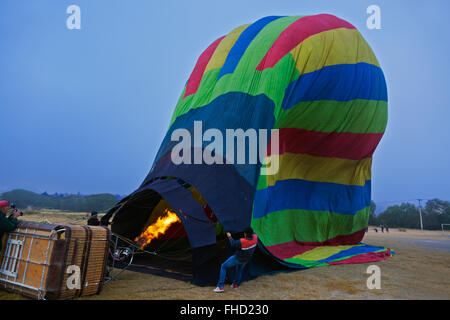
310, 195
351, 252
342, 82
242, 43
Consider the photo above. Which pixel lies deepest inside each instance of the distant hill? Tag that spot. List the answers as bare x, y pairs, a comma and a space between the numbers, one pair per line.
78, 203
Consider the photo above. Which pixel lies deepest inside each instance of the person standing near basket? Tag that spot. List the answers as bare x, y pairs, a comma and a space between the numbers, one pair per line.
7, 224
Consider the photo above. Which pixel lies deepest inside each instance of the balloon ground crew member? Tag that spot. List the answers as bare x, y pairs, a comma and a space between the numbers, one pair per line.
93, 220
245, 248
7, 224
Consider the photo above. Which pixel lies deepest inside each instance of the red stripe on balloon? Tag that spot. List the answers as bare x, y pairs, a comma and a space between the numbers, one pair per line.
364, 258
292, 248
344, 145
298, 31
196, 75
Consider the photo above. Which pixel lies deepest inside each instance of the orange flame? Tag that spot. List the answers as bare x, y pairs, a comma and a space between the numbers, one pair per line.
158, 228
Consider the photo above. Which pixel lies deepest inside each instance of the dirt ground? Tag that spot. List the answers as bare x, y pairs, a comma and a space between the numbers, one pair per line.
420, 269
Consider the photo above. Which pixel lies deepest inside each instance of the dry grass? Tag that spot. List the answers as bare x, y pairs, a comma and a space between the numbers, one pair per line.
415, 272
55, 216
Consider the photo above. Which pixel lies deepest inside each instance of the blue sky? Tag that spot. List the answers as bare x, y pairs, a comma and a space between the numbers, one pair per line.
86, 110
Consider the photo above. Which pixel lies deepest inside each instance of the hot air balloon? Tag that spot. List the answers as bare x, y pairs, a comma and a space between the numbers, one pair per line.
314, 87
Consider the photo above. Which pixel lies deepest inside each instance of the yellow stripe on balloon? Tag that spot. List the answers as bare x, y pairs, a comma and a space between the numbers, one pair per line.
320, 169
220, 54
322, 252
337, 46
197, 196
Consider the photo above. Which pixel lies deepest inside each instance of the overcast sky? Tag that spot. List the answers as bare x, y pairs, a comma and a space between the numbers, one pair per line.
86, 110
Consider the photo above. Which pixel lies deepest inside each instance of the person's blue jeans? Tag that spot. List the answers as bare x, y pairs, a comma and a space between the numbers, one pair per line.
230, 263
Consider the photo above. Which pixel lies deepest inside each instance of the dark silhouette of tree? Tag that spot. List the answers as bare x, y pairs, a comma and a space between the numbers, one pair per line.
373, 219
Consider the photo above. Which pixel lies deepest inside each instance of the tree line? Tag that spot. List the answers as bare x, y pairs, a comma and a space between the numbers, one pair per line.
76, 203
407, 215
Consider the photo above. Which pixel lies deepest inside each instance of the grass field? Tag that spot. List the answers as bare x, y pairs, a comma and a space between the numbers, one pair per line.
420, 269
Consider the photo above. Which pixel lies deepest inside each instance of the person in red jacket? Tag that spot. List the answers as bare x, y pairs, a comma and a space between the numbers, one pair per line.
7, 224
244, 252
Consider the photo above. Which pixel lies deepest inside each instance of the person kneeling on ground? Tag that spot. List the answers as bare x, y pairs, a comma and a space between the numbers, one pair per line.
245, 248
7, 224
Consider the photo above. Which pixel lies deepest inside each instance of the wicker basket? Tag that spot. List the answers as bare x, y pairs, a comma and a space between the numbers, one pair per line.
43, 261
